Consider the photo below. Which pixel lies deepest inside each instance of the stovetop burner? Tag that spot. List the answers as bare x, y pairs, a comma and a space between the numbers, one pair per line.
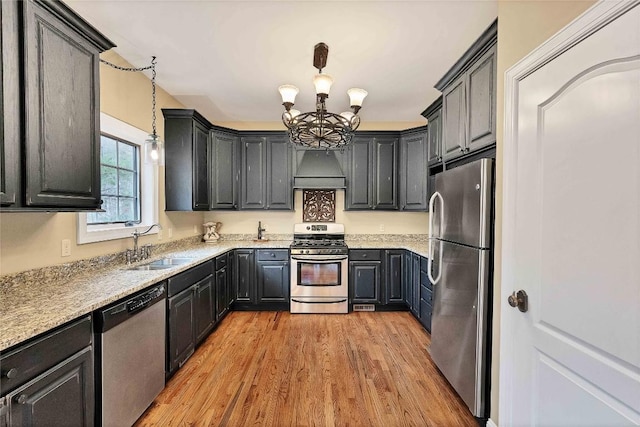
318, 239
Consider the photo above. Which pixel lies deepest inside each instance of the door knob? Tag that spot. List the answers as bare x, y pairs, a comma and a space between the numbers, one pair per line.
519, 299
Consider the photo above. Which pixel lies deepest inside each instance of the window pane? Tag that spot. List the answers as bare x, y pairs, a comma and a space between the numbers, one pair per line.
109, 181
127, 211
126, 183
108, 155
126, 156
110, 205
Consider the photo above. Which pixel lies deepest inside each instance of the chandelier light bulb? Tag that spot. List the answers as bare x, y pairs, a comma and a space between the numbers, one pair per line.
356, 96
347, 115
288, 93
323, 83
294, 113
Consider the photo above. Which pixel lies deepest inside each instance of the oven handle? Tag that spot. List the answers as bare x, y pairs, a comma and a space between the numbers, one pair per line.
326, 259
318, 302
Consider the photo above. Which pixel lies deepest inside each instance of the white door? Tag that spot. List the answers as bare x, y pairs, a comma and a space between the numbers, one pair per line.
572, 227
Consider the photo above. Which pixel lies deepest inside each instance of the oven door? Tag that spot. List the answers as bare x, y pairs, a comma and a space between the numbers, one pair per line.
319, 276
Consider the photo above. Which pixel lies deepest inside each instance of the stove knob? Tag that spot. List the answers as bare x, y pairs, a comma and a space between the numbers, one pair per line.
306, 251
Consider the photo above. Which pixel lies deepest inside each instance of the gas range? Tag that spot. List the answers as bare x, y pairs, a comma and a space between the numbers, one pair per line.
318, 239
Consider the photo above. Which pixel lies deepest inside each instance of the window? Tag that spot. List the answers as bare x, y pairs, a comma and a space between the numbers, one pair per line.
120, 177
128, 184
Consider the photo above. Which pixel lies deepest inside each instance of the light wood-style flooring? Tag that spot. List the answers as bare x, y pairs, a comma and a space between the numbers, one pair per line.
279, 369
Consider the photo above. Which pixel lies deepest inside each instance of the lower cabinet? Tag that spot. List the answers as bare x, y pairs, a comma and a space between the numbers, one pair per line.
191, 312
223, 285
365, 276
426, 295
261, 279
394, 277
49, 381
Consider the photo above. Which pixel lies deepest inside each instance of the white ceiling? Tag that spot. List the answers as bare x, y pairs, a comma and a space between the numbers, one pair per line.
227, 58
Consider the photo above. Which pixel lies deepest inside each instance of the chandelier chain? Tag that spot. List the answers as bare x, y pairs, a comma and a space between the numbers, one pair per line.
151, 67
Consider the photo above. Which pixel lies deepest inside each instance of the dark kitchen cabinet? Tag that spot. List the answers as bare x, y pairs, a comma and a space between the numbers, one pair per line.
279, 179
272, 270
224, 172
191, 315
413, 171
253, 183
223, 284
244, 276
205, 306
433, 114
181, 329
50, 107
372, 181
469, 99
365, 276
394, 277
186, 160
266, 172
49, 381
426, 296
414, 296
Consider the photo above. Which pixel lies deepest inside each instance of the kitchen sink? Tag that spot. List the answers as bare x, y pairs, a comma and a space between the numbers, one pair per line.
161, 264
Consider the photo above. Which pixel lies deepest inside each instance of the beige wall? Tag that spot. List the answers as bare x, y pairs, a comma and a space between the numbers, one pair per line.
32, 240
355, 222
522, 26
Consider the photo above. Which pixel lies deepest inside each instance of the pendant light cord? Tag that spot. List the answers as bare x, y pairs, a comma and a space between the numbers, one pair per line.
151, 67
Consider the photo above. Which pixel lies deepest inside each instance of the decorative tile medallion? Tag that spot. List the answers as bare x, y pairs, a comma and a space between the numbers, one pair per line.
318, 205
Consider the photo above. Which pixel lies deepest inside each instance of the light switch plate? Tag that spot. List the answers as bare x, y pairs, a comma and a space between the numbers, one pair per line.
66, 247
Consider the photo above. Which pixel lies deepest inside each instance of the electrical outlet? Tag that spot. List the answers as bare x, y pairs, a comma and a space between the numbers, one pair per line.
381, 227
66, 247
170, 232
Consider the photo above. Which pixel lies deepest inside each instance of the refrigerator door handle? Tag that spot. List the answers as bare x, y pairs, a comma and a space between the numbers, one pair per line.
430, 249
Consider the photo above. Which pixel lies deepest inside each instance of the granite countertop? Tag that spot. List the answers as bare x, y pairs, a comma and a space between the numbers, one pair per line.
31, 305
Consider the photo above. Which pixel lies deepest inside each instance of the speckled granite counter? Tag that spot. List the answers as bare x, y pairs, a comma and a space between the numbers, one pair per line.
31, 305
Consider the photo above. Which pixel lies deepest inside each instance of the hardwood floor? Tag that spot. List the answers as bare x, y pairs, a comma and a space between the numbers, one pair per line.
278, 369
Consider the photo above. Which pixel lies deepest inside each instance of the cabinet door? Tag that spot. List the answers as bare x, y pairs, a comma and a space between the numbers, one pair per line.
222, 292
359, 186
413, 195
244, 270
415, 289
204, 307
9, 106
61, 85
273, 281
63, 395
394, 285
482, 102
181, 329
231, 292
365, 282
223, 171
434, 135
386, 172
454, 119
279, 184
200, 167
253, 173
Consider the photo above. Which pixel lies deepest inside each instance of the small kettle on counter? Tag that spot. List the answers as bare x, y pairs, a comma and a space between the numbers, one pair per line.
211, 231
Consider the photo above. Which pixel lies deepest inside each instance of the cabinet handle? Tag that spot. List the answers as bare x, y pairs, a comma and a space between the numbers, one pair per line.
11, 373
364, 255
22, 399
273, 255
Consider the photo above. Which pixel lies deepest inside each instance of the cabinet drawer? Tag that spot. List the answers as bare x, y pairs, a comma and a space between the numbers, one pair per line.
222, 261
365, 255
187, 278
426, 311
424, 280
28, 361
273, 255
426, 294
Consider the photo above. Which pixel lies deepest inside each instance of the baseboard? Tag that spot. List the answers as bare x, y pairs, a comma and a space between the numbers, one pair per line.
490, 423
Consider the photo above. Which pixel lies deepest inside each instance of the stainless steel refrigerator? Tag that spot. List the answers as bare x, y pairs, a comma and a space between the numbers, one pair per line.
460, 237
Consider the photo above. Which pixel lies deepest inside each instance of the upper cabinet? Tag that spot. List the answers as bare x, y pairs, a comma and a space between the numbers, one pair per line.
433, 114
224, 172
254, 163
413, 170
186, 151
50, 106
372, 178
468, 101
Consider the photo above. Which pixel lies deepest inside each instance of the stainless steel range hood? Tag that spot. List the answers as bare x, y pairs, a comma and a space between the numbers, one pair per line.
319, 169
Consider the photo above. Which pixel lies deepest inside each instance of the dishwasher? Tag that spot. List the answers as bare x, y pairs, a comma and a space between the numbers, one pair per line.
130, 340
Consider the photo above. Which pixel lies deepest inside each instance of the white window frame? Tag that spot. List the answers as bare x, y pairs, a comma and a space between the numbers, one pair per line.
148, 189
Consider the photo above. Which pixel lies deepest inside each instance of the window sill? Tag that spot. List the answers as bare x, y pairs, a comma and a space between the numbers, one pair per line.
93, 234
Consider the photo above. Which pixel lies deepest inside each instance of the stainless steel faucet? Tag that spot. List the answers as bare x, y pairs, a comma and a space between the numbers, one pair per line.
138, 254
260, 230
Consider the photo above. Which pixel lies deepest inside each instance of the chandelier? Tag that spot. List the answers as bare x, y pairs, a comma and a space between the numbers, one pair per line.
320, 128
